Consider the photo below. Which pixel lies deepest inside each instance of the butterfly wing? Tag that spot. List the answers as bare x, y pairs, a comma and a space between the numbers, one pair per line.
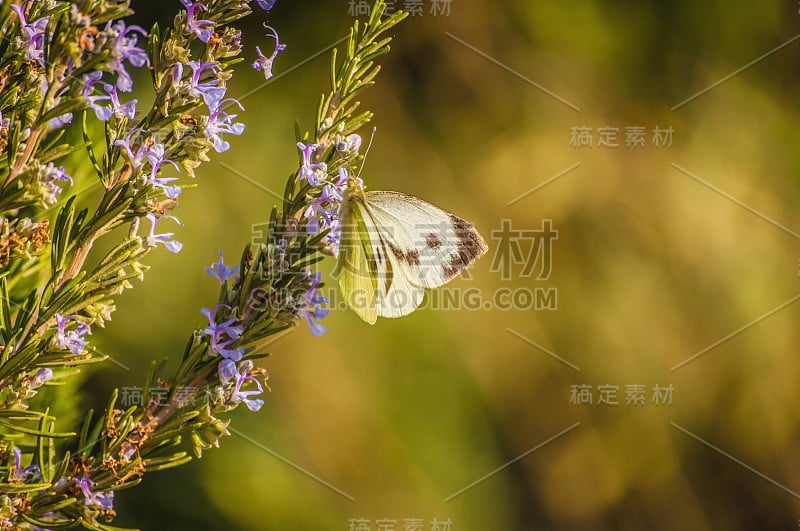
393, 246
371, 278
358, 267
427, 246
397, 295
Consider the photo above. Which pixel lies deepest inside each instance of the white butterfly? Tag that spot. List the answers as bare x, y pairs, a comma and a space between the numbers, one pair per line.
393, 246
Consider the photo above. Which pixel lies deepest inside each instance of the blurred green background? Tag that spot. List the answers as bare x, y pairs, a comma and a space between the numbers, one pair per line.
650, 267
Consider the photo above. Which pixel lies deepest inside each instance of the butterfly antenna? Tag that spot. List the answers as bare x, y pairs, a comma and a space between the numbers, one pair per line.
364, 160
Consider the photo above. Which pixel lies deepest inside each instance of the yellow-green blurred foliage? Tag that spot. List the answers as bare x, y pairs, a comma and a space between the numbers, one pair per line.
651, 266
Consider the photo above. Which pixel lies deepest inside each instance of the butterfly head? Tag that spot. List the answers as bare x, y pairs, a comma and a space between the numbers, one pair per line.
354, 187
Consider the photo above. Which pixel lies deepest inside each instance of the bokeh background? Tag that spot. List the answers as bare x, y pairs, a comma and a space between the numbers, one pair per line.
651, 266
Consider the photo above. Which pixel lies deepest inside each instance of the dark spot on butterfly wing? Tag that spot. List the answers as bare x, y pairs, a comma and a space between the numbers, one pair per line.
412, 257
454, 267
433, 241
396, 251
470, 246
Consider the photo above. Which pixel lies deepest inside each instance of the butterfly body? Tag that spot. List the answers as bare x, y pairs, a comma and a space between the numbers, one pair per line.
393, 246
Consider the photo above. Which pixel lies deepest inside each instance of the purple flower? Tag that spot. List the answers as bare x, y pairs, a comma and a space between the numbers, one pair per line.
103, 113
312, 309
351, 143
154, 154
156, 157
35, 34
220, 271
211, 91
323, 211
89, 81
104, 500
128, 450
136, 159
127, 110
165, 238
266, 5
171, 191
308, 171
202, 28
49, 177
264, 63
344, 178
221, 122
228, 371
31, 472
126, 49
71, 339
177, 74
224, 334
41, 377
59, 121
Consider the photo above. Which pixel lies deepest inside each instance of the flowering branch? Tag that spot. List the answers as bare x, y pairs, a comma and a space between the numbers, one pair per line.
69, 62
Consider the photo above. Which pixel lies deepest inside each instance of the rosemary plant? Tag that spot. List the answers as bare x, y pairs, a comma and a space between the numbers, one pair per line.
65, 74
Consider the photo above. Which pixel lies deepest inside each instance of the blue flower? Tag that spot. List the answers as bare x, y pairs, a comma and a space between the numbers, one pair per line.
71, 339
166, 238
228, 370
223, 334
311, 307
35, 34
202, 28
104, 500
220, 271
264, 63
